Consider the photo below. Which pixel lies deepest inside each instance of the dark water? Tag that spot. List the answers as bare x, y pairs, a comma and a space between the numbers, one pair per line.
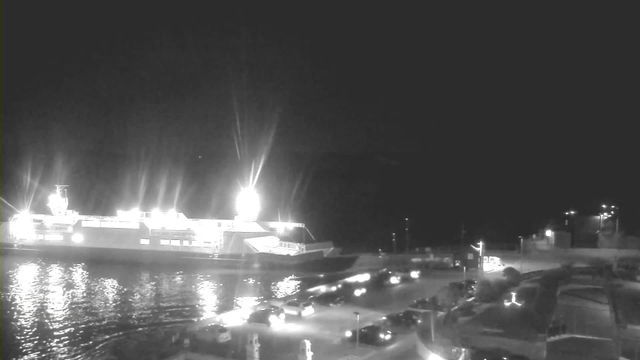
74, 310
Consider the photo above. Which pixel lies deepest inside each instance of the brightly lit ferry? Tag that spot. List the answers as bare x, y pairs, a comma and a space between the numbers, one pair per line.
170, 237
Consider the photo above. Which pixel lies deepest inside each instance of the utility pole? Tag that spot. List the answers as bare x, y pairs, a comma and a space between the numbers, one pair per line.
462, 237
408, 235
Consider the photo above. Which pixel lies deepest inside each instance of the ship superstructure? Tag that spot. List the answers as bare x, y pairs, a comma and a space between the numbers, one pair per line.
165, 235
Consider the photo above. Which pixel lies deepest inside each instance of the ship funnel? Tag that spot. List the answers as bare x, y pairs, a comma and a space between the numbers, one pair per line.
58, 202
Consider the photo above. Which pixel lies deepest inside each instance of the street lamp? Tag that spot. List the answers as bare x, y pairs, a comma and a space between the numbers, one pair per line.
570, 223
615, 211
357, 329
521, 251
548, 233
393, 240
407, 234
480, 250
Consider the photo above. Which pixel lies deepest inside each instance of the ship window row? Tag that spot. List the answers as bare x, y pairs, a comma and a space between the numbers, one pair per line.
166, 242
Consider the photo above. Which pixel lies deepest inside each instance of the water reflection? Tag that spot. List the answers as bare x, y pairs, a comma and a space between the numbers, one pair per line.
286, 287
67, 310
208, 299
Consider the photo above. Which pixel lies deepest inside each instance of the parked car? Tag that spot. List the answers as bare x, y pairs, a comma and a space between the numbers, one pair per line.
372, 335
298, 308
408, 274
467, 287
350, 290
328, 299
427, 305
406, 319
271, 316
213, 333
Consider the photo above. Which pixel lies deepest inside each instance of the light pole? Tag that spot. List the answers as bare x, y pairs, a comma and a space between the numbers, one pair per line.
480, 250
521, 252
393, 240
605, 215
408, 236
357, 329
570, 223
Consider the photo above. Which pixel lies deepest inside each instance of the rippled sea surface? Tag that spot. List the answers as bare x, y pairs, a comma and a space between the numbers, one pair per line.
75, 310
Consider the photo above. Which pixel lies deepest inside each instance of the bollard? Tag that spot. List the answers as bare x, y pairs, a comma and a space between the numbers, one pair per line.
305, 350
253, 347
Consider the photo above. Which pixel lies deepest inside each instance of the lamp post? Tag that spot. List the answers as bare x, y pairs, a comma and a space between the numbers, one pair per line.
569, 222
614, 211
480, 250
393, 240
407, 234
521, 251
357, 329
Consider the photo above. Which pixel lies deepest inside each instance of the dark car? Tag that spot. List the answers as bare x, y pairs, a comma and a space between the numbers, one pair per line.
428, 304
407, 319
372, 335
351, 290
328, 299
271, 316
385, 277
451, 294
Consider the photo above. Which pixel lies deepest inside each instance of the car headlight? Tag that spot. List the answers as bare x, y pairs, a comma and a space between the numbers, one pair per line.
273, 318
394, 280
415, 274
281, 316
348, 333
434, 356
381, 336
363, 290
357, 292
387, 337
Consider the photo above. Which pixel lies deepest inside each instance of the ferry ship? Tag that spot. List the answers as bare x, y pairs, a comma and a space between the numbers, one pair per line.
157, 236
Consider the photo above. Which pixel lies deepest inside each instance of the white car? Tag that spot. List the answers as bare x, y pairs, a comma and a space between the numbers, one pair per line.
214, 332
298, 308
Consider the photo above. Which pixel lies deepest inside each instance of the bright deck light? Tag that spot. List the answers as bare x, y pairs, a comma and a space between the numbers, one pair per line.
77, 238
248, 204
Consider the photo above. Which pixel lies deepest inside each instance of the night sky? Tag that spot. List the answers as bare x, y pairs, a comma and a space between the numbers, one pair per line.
359, 116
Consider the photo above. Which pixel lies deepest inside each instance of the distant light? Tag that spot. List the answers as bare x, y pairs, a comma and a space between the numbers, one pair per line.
77, 238
414, 274
333, 288
248, 204
394, 280
604, 206
348, 333
548, 233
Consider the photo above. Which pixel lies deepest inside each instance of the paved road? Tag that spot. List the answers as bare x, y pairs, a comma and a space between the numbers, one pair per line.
325, 329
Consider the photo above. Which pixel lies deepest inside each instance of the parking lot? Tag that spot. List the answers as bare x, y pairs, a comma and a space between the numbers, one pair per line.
326, 327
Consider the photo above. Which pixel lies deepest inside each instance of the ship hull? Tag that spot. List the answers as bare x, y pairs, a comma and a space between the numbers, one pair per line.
308, 262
